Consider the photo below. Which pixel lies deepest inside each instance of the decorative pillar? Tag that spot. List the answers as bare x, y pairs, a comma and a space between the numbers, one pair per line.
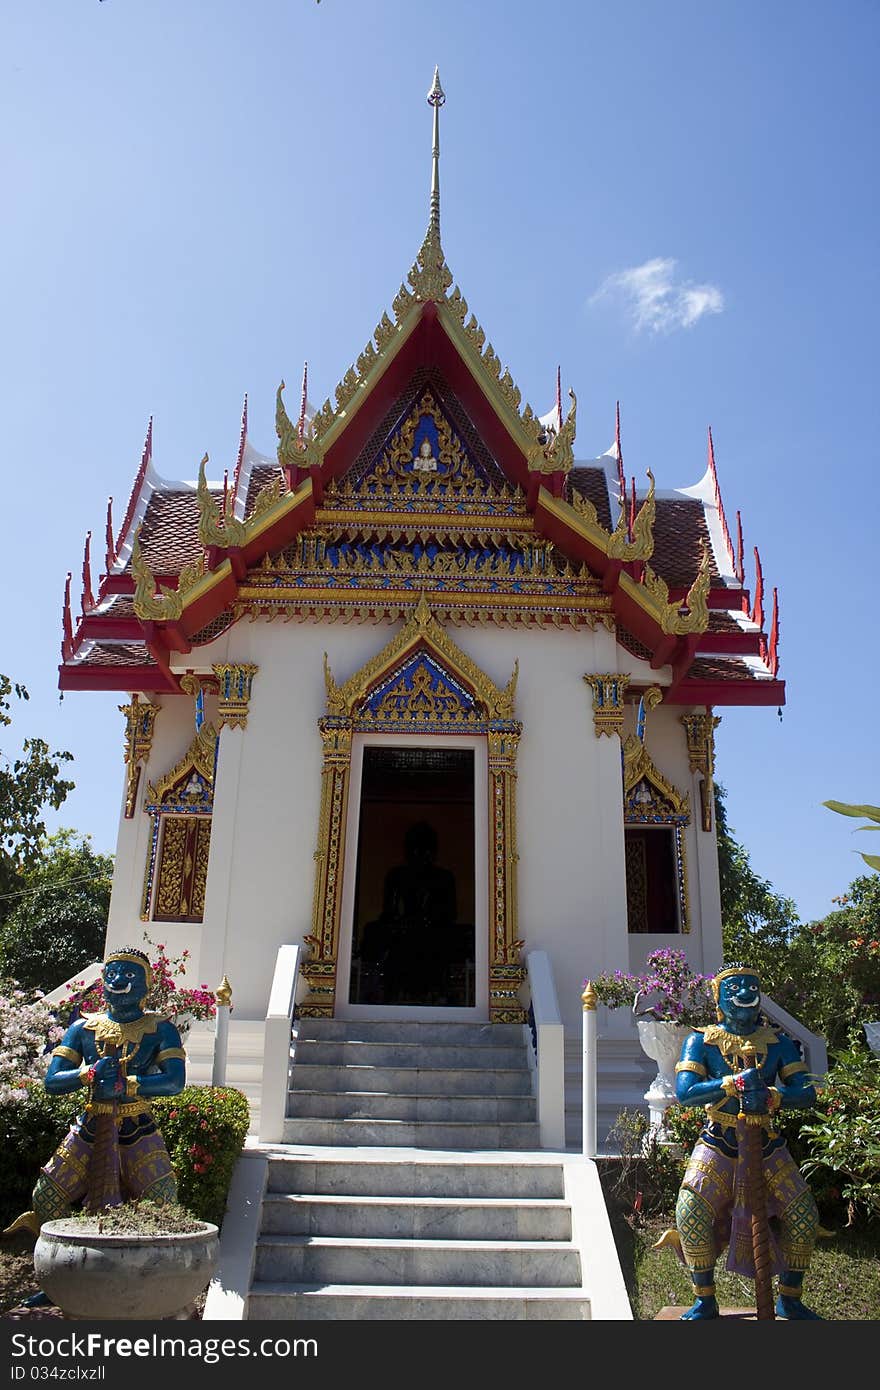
140, 719
221, 1032
234, 690
608, 706
506, 974
320, 970
589, 999
700, 732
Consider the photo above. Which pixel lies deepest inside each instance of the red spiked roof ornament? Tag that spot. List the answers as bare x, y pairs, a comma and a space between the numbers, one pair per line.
773, 646
66, 623
110, 546
725, 531
301, 429
621, 476
758, 605
740, 562
242, 441
146, 457
88, 599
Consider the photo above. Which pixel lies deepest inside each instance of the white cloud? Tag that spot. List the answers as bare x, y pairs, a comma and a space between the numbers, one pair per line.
655, 301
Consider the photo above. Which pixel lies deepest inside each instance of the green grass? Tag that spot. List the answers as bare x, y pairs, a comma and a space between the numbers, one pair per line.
842, 1284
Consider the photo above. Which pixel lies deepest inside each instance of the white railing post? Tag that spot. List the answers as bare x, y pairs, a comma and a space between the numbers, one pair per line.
550, 1049
276, 1049
221, 1032
589, 1000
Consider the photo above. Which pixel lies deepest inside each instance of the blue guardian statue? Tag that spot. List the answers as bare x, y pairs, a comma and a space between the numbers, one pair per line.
743, 1072
121, 1058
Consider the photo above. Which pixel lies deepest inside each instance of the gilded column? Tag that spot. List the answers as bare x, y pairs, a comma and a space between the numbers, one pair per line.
700, 732
506, 974
234, 682
140, 719
319, 970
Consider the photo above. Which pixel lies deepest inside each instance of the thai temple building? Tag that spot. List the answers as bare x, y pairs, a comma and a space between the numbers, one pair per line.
425, 694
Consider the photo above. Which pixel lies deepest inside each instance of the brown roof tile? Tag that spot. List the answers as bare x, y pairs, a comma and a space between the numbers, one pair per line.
679, 529
169, 533
117, 654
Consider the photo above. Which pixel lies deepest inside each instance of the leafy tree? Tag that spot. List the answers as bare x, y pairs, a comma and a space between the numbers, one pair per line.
758, 924
27, 785
58, 914
873, 814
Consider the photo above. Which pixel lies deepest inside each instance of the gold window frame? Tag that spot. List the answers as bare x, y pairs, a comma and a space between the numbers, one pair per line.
668, 808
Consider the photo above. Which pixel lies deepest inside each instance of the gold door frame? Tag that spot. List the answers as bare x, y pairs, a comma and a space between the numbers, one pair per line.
473, 704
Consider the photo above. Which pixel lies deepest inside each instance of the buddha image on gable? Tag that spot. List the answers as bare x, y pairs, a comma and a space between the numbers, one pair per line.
424, 461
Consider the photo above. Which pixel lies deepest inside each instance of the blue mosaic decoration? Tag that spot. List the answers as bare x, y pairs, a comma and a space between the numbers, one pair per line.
420, 694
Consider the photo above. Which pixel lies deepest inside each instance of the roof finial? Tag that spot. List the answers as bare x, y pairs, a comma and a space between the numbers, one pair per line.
301, 427
110, 555
559, 395
621, 476
88, 601
436, 98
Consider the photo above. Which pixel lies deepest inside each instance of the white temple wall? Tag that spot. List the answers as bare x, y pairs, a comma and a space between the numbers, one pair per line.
571, 876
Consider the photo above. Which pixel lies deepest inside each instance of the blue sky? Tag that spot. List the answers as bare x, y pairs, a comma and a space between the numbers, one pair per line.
677, 203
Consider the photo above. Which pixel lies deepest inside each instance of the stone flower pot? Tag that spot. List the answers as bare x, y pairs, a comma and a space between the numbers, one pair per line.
661, 1041
97, 1276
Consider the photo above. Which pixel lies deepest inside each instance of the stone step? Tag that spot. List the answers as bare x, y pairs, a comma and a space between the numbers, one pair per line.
418, 1056
391, 1176
481, 1263
292, 1302
425, 1218
370, 1105
408, 1030
501, 1081
413, 1134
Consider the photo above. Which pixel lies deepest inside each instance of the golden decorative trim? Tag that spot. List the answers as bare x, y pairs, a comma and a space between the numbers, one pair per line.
165, 606
641, 547
699, 730
215, 528
110, 1033
649, 800
235, 682
638, 767
293, 451
171, 1052
223, 993
421, 627
198, 758
555, 453
740, 1050
608, 706
704, 1290
791, 1069
589, 998
691, 1066
122, 1110
68, 1053
140, 719
691, 616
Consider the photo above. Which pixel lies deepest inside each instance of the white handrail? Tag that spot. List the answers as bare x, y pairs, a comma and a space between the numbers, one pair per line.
813, 1044
589, 1077
276, 1049
84, 978
550, 1048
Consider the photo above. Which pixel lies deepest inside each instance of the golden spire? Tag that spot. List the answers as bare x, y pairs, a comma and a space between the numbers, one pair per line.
436, 98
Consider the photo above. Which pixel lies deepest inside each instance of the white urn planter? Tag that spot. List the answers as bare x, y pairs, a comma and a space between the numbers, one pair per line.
123, 1276
661, 1041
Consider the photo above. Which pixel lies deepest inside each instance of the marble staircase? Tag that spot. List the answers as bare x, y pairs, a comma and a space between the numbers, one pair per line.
410, 1185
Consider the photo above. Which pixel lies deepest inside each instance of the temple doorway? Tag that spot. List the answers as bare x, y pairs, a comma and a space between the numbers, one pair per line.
414, 905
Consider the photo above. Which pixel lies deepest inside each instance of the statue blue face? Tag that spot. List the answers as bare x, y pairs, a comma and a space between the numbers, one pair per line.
125, 984
739, 999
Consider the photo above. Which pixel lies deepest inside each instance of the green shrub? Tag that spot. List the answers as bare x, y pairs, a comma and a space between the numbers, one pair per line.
204, 1128
842, 1135
30, 1130
645, 1179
